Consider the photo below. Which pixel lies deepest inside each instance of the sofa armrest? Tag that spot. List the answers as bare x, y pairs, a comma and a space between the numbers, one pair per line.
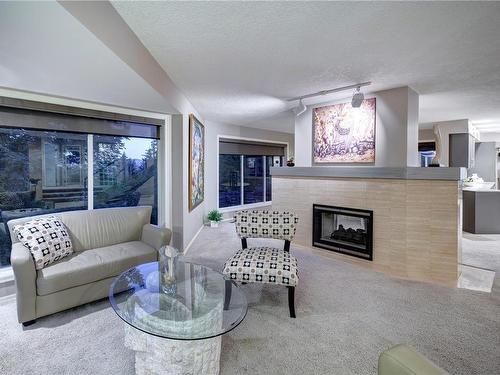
24, 270
404, 360
155, 236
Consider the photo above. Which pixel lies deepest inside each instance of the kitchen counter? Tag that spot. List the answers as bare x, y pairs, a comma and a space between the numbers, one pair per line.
481, 210
479, 190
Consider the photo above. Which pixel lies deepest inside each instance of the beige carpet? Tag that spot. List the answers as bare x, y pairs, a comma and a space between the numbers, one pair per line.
346, 316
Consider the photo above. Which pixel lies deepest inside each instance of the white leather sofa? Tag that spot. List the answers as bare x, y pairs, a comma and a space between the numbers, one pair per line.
106, 242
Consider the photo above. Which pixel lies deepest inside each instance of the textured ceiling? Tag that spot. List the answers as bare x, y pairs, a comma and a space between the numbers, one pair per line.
237, 61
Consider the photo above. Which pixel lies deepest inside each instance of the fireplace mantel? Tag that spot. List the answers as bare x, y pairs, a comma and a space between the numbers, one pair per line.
400, 173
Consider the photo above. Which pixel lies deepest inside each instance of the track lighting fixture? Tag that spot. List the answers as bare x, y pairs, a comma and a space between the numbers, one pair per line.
357, 98
300, 109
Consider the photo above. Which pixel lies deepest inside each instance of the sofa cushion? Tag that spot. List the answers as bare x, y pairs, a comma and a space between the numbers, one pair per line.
93, 265
46, 238
91, 229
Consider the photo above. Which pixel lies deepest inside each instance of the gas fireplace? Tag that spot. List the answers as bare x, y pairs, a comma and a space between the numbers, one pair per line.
344, 230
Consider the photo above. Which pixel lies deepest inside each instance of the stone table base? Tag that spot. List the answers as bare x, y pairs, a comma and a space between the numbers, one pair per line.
156, 355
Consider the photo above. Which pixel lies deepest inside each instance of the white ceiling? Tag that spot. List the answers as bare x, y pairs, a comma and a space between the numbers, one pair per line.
236, 62
44, 49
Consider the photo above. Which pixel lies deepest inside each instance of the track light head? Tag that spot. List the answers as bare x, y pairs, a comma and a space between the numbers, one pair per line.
357, 98
300, 109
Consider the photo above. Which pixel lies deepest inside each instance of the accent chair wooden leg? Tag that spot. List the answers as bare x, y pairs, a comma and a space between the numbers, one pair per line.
227, 296
291, 300
29, 322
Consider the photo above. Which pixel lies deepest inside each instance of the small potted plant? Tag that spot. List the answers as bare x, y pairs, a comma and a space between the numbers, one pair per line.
215, 218
290, 162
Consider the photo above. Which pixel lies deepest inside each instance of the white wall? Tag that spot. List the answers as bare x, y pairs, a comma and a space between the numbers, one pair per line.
396, 133
212, 131
485, 163
490, 137
442, 131
426, 135
412, 156
177, 181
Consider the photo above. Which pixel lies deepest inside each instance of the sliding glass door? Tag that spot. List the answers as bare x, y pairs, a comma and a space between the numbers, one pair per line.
246, 179
230, 183
245, 171
47, 172
253, 181
125, 172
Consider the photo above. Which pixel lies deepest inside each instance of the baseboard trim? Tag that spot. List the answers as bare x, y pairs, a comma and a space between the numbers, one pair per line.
229, 219
192, 240
10, 298
6, 275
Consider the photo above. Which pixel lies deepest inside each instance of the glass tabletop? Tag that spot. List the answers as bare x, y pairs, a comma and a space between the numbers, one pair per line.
177, 300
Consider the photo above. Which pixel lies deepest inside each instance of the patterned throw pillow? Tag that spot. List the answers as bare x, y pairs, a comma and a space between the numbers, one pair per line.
46, 238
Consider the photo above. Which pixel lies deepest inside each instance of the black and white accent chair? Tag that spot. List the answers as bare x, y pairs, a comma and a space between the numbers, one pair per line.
264, 264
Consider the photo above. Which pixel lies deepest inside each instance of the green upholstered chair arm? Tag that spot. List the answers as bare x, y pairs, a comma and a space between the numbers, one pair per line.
404, 360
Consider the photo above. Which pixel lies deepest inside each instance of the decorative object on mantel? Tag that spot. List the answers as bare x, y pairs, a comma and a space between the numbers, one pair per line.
473, 180
196, 162
215, 217
343, 134
477, 182
290, 163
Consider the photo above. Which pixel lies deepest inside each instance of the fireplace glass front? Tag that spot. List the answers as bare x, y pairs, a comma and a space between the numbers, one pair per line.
344, 230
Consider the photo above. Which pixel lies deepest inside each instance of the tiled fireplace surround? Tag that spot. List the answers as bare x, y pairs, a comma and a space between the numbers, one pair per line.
416, 220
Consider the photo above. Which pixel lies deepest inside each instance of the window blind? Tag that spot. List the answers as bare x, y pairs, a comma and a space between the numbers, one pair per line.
27, 114
240, 147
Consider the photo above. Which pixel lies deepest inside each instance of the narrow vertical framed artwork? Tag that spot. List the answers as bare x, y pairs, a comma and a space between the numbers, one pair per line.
196, 162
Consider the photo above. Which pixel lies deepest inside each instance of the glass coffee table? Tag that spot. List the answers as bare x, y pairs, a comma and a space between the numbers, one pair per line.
175, 315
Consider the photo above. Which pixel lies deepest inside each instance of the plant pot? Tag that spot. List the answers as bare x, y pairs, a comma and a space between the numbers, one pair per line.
290, 164
214, 224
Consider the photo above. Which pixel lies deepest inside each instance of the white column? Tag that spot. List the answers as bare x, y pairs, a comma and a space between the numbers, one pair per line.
165, 174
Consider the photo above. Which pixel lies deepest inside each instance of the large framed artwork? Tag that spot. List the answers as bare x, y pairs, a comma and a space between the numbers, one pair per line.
343, 134
196, 162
